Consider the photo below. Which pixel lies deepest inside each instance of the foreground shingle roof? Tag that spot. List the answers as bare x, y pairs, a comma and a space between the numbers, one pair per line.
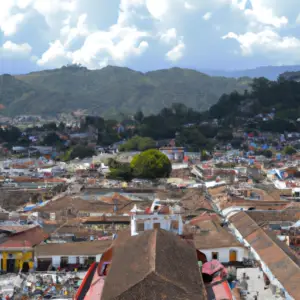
154, 265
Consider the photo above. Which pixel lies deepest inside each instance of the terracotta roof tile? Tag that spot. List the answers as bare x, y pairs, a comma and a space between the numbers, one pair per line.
27, 238
154, 265
73, 249
277, 258
195, 200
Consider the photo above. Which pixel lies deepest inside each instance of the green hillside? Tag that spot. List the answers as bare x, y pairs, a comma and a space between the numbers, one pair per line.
112, 90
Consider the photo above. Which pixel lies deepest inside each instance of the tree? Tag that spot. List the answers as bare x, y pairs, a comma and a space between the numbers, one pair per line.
225, 135
119, 170
51, 139
146, 143
139, 116
204, 155
82, 152
179, 109
61, 126
192, 138
151, 164
236, 143
95, 121
289, 150
268, 153
50, 126
138, 143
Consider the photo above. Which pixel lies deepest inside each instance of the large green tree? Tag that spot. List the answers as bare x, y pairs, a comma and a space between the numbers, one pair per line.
118, 170
151, 164
138, 143
193, 139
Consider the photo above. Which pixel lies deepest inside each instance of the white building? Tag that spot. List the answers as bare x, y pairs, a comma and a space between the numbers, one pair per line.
140, 223
159, 217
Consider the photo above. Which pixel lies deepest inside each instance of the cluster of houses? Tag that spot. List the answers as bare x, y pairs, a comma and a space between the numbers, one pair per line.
189, 236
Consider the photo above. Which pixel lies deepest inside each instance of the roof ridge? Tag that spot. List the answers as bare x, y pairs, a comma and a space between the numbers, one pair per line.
269, 238
154, 248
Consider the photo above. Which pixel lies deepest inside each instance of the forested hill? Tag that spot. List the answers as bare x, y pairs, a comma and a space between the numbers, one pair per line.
111, 90
269, 105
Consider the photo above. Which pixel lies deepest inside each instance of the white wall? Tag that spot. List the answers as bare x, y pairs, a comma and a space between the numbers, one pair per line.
224, 253
149, 220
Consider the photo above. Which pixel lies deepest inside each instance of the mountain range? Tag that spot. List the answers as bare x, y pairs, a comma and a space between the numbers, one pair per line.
111, 90
269, 72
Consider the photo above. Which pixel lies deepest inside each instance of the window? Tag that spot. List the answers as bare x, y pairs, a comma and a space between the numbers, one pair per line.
156, 226
140, 227
215, 255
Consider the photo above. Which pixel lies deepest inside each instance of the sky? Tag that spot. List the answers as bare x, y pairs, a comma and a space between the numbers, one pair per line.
148, 34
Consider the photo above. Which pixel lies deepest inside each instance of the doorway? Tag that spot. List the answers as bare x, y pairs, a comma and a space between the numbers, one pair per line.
25, 268
11, 265
232, 255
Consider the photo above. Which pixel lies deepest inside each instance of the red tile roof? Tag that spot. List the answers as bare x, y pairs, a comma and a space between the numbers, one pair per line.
16, 229
25, 239
116, 196
278, 259
154, 265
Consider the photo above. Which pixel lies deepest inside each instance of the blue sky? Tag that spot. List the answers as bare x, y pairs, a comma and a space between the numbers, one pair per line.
148, 34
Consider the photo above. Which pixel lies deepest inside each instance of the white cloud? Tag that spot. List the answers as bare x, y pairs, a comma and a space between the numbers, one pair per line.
98, 47
207, 16
100, 32
267, 42
176, 53
9, 27
9, 21
189, 6
70, 33
263, 15
54, 56
115, 45
169, 36
16, 50
158, 8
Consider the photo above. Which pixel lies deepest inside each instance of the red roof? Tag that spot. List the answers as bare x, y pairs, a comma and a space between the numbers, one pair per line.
221, 289
204, 217
25, 239
16, 229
